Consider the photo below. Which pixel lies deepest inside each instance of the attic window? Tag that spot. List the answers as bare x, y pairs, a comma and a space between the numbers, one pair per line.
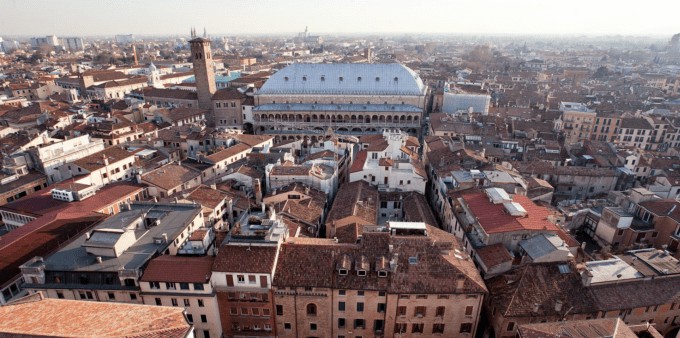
377, 79
304, 78
413, 260
361, 273
286, 78
342, 272
382, 273
323, 78
396, 79
341, 78
359, 79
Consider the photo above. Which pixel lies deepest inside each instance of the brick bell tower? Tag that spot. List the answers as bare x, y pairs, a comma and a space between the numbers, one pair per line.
204, 72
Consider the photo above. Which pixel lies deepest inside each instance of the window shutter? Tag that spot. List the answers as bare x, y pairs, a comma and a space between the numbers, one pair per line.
263, 281
230, 280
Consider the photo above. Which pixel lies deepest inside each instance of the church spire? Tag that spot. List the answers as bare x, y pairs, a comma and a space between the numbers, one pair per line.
205, 35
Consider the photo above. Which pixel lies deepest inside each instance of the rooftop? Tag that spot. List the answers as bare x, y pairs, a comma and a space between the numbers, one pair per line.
174, 218
35, 316
344, 79
402, 108
179, 269
494, 218
605, 327
611, 270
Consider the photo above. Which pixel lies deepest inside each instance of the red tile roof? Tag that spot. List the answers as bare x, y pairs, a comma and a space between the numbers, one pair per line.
358, 163
43, 203
40, 237
494, 219
245, 259
179, 269
75, 318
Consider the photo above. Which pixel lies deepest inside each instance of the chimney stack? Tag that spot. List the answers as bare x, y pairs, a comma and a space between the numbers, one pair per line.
558, 306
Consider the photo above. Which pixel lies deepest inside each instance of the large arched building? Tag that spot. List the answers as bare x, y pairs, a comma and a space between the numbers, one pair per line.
306, 99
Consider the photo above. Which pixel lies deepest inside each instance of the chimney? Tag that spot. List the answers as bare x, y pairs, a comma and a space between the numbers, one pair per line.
87, 235
586, 277
536, 307
257, 186
105, 159
558, 306
99, 259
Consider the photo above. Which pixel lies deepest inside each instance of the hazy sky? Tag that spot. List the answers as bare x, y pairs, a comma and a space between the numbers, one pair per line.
165, 17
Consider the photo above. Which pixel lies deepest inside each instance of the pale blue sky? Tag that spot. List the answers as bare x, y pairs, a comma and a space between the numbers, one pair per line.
165, 17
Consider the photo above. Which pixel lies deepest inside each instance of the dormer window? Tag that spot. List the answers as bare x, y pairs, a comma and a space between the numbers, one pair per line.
377, 79
359, 79
285, 78
341, 78
396, 79
323, 78
304, 78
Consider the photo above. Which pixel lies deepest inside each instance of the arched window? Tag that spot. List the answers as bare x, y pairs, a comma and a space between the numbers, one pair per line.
311, 309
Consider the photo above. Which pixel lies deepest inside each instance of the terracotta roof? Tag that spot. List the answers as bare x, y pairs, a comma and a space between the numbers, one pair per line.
359, 160
178, 94
228, 152
667, 207
245, 259
493, 255
95, 161
75, 318
178, 114
416, 209
228, 94
434, 272
358, 199
252, 140
40, 237
170, 176
179, 269
43, 203
515, 294
636, 294
494, 219
207, 197
604, 327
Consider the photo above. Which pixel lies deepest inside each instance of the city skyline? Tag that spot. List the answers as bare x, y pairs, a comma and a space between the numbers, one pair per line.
355, 16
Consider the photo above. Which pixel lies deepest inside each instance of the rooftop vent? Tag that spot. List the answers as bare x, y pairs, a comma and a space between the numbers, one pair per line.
413, 260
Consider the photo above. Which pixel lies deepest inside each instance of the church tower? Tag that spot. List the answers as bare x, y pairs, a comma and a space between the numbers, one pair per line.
203, 69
